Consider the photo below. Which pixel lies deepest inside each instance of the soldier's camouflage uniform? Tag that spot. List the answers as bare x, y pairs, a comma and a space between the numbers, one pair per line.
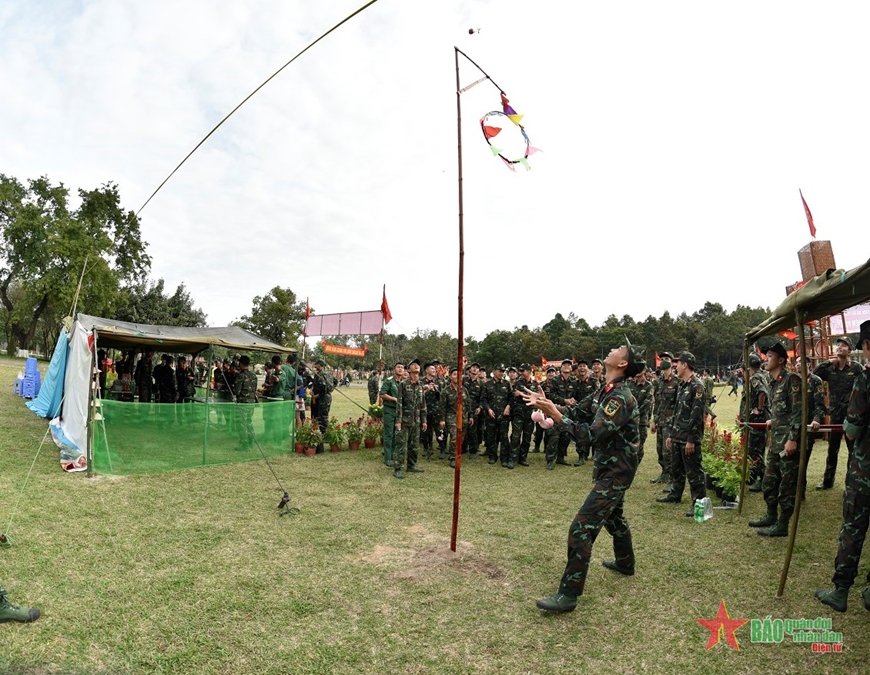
472, 433
781, 474
322, 388
245, 391
496, 397
840, 383
411, 412
557, 438
582, 390
522, 425
756, 386
539, 430
613, 434
856, 498
687, 426
373, 389
665, 401
643, 394
816, 413
447, 414
432, 394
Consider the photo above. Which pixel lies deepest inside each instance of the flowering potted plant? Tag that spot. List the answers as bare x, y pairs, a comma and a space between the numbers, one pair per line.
354, 433
376, 410
334, 434
312, 437
722, 461
373, 430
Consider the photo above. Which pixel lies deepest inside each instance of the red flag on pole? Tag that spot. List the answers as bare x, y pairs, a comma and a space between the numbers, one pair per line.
809, 215
385, 308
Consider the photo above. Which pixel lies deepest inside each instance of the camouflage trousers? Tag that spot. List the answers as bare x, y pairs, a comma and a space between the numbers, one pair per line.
522, 429
856, 516
755, 452
683, 467
834, 439
497, 436
664, 455
245, 413
643, 432
779, 485
406, 445
426, 437
449, 435
470, 440
557, 443
602, 508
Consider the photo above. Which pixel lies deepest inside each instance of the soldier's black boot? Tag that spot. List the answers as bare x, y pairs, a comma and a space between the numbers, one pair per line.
778, 529
837, 598
670, 498
557, 603
613, 565
623, 553
766, 520
756, 486
10, 612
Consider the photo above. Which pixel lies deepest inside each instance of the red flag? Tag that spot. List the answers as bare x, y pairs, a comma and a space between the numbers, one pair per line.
809, 215
385, 308
307, 309
658, 360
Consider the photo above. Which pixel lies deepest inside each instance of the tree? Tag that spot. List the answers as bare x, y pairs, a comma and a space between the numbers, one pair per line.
276, 316
147, 303
45, 248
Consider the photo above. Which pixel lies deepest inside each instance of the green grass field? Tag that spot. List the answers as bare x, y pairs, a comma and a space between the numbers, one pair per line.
194, 572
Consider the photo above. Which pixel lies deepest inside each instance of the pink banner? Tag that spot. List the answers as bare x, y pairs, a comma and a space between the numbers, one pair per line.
855, 316
347, 323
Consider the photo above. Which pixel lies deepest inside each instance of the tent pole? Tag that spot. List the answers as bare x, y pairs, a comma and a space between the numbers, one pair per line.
744, 435
207, 387
89, 450
802, 472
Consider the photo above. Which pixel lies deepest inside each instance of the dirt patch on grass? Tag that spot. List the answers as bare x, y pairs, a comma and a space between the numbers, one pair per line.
429, 555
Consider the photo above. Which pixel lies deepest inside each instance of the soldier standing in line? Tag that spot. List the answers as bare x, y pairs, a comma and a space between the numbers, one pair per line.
613, 433
495, 402
815, 414
585, 385
389, 395
561, 393
840, 373
447, 413
431, 392
245, 393
545, 386
410, 418
783, 459
522, 425
759, 401
709, 383
856, 498
470, 439
144, 376
321, 393
642, 390
374, 388
686, 435
665, 400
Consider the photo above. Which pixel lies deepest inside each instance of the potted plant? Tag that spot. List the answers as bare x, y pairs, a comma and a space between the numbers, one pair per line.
722, 460
313, 438
334, 435
301, 439
376, 410
354, 433
373, 430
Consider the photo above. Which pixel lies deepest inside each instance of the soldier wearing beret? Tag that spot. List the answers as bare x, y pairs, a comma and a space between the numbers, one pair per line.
856, 498
840, 373
759, 412
783, 459
686, 434
612, 430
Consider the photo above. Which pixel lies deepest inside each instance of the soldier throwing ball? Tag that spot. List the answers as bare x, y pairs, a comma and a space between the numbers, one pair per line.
613, 435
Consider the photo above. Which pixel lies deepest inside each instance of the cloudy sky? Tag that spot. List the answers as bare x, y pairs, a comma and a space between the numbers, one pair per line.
675, 137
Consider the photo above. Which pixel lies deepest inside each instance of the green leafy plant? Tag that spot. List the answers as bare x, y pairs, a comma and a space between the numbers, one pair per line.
722, 458
354, 430
334, 434
374, 429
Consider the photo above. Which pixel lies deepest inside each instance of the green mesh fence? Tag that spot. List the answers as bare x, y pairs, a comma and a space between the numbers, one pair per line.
157, 437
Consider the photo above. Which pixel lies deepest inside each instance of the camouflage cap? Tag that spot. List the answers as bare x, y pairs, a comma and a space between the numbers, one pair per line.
525, 366
778, 349
864, 335
636, 358
512, 369
498, 366
551, 369
320, 362
846, 341
594, 361
688, 358
754, 361
666, 355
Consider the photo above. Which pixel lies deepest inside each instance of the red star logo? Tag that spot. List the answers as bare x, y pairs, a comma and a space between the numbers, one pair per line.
722, 624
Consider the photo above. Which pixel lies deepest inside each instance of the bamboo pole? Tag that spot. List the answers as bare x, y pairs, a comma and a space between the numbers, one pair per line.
802, 472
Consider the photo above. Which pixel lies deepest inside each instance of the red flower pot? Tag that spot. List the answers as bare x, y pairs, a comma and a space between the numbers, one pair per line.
369, 442
299, 448
334, 447
310, 452
353, 445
